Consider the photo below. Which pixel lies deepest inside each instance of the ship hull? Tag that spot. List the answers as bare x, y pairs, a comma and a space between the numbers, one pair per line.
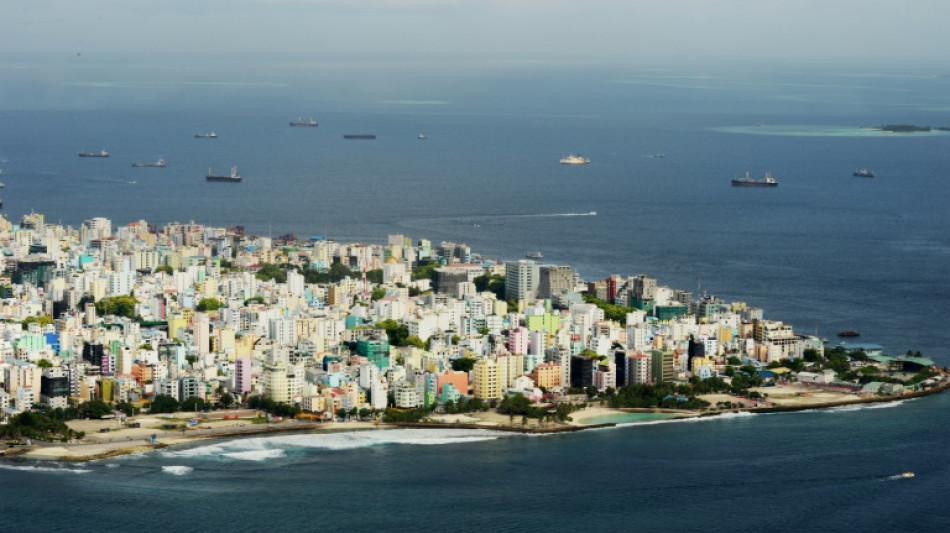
226, 179
359, 136
753, 184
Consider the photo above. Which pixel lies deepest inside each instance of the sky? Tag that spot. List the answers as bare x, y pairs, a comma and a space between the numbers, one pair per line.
460, 32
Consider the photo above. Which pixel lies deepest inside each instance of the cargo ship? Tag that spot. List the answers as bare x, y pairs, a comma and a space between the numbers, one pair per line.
233, 177
159, 163
747, 181
100, 153
211, 135
301, 123
359, 136
574, 160
863, 173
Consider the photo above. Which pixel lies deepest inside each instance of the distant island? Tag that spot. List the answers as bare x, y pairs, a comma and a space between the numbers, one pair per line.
907, 128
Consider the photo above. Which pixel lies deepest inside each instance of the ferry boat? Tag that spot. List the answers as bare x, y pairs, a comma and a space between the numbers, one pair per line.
301, 123
573, 159
210, 135
748, 181
159, 163
863, 173
100, 153
233, 177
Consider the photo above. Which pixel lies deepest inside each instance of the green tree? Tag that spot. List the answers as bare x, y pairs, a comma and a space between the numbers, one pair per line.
166, 269
117, 305
226, 400
613, 312
254, 299
270, 271
127, 408
463, 364
42, 320
193, 403
378, 293
375, 276
424, 271
398, 333
515, 404
209, 304
163, 403
494, 283
43, 363
95, 409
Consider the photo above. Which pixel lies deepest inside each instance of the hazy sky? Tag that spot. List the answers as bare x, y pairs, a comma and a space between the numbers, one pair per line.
548, 30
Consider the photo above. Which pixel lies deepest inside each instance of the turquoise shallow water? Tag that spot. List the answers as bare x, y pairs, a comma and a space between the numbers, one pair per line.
626, 418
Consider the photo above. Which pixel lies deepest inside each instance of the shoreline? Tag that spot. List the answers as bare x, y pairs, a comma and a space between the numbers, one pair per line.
86, 452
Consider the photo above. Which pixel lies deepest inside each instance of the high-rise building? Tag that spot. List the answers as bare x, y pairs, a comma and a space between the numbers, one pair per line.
242, 375
553, 280
521, 280
638, 370
582, 371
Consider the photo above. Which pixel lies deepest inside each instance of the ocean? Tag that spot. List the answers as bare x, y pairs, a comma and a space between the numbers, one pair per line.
824, 251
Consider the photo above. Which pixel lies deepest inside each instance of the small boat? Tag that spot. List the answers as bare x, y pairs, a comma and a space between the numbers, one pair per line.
849, 333
160, 163
359, 136
906, 475
210, 135
422, 136
233, 177
863, 173
301, 123
100, 153
534, 255
574, 159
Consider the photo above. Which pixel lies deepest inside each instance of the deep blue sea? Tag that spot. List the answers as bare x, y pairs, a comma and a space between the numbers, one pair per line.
824, 251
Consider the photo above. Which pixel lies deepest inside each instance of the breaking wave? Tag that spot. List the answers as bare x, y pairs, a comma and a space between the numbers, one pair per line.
177, 470
35, 468
263, 448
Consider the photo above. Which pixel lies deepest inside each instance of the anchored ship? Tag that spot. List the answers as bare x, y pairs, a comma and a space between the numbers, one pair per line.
233, 177
359, 136
159, 163
863, 173
101, 153
573, 159
304, 123
211, 135
747, 181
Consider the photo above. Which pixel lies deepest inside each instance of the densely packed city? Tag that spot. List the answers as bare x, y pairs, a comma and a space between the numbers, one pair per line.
140, 316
